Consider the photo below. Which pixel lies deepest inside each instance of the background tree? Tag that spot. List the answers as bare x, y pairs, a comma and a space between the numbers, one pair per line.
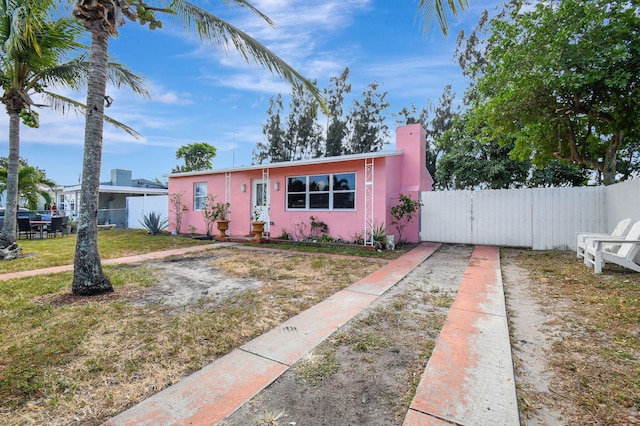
444, 115
337, 124
629, 157
4, 163
197, 156
471, 162
275, 149
411, 115
368, 131
559, 173
470, 54
32, 185
102, 19
563, 79
303, 133
300, 137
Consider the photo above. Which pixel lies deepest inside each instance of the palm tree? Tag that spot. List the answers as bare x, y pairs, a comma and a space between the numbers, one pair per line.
102, 19
22, 26
31, 183
32, 47
428, 8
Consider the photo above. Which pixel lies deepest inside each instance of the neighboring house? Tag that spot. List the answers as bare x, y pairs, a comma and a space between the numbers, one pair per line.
352, 194
112, 198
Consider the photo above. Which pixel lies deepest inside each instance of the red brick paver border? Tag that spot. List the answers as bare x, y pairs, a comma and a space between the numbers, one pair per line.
469, 379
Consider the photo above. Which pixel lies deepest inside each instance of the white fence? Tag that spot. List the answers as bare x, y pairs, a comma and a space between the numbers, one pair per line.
540, 218
139, 207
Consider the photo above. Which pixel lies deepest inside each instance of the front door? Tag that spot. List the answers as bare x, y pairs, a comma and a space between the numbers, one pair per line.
260, 202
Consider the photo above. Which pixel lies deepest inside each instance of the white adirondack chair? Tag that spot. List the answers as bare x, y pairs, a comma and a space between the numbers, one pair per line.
597, 256
617, 233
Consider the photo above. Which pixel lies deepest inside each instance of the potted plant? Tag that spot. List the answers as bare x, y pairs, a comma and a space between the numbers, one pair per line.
221, 213
72, 225
257, 225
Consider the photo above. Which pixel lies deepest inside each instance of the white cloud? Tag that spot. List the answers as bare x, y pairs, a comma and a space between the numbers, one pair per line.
257, 82
166, 96
172, 97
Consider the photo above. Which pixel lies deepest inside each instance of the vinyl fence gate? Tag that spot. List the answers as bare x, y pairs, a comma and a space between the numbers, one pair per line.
538, 218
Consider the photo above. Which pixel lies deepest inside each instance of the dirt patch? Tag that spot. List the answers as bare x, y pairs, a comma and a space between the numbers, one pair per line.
182, 281
194, 279
533, 333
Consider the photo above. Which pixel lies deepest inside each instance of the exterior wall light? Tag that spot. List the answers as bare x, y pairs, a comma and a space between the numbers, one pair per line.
243, 187
276, 186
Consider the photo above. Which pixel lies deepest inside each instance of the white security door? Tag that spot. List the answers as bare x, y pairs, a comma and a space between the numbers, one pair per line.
260, 201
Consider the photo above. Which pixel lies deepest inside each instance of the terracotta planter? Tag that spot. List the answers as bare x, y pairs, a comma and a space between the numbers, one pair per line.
257, 228
223, 225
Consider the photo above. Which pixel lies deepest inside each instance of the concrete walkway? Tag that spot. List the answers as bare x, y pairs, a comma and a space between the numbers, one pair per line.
128, 259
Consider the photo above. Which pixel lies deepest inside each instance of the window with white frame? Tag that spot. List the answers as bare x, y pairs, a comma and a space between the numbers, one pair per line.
199, 196
322, 192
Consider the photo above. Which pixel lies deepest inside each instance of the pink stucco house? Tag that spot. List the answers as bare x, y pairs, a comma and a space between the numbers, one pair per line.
352, 194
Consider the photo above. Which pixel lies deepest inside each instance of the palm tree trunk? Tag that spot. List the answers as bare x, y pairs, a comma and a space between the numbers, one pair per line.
88, 277
11, 206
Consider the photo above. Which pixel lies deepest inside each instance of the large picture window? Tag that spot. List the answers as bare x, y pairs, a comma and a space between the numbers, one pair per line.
199, 196
322, 192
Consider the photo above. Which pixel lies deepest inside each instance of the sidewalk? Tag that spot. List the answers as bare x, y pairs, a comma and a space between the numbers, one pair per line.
129, 259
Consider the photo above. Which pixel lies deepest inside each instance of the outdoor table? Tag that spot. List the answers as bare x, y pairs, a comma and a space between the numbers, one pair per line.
40, 224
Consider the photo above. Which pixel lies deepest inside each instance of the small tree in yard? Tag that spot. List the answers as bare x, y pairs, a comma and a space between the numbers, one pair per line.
178, 208
403, 213
210, 213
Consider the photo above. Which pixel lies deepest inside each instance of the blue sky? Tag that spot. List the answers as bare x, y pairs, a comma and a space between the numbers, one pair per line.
202, 96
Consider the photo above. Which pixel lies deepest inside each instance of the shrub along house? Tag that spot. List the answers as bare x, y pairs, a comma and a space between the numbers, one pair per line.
351, 194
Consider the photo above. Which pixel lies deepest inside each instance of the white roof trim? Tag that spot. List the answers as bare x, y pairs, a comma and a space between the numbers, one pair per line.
323, 160
122, 190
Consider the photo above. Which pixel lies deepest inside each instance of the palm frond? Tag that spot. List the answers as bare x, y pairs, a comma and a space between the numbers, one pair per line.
440, 8
244, 3
120, 75
30, 183
66, 105
72, 74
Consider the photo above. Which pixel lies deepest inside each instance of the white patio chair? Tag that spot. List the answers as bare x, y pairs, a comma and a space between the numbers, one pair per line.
618, 232
597, 256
